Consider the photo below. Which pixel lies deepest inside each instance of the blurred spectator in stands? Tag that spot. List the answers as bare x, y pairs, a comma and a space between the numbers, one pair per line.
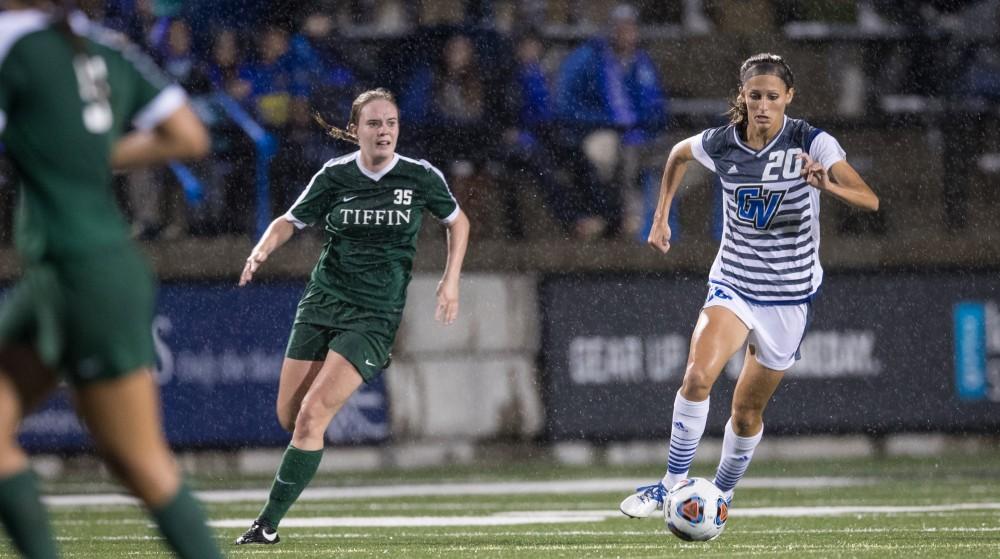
458, 112
225, 65
156, 200
609, 103
181, 63
908, 65
334, 80
279, 98
972, 89
447, 99
276, 78
944, 54
145, 22
524, 152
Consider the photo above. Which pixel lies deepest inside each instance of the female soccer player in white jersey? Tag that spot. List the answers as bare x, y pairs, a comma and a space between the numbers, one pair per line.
370, 203
773, 169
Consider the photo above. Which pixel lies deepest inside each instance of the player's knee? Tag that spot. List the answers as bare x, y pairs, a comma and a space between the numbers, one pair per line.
152, 476
311, 421
746, 420
697, 383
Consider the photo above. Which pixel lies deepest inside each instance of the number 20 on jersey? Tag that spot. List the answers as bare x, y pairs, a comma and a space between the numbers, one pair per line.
785, 162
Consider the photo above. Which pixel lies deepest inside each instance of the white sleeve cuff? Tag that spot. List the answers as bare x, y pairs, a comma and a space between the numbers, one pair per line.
826, 149
287, 216
698, 150
162, 106
452, 216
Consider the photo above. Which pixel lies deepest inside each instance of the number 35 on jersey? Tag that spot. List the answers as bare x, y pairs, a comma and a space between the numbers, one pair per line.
402, 196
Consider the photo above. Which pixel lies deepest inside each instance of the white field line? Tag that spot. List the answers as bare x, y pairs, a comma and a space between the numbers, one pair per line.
537, 533
579, 516
622, 485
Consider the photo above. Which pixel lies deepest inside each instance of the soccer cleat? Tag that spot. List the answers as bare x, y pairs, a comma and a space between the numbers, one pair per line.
258, 533
727, 495
644, 502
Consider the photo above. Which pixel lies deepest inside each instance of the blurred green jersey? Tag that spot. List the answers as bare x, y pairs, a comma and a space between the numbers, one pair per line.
60, 114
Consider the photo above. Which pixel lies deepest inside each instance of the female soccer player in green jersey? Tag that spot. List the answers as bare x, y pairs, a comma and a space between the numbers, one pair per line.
370, 203
83, 309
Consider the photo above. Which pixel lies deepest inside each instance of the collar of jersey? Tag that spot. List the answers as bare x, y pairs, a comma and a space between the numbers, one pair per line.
739, 142
376, 176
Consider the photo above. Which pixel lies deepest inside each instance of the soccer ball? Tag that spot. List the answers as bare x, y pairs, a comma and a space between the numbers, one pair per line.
696, 510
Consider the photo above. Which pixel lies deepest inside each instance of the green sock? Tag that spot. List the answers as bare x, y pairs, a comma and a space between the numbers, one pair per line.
22, 513
182, 522
296, 471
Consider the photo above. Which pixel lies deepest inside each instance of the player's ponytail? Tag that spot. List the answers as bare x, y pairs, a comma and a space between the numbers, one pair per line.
333, 131
763, 63
737, 109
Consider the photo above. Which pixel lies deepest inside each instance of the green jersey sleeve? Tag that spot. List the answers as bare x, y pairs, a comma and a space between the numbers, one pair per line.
315, 201
149, 97
439, 201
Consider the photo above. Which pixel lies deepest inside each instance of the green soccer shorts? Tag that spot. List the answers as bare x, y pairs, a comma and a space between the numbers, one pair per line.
89, 317
363, 337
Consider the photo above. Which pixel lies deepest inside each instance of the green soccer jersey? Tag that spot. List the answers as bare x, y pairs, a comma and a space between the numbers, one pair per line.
60, 114
371, 221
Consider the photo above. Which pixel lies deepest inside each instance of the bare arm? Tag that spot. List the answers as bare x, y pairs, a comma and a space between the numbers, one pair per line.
673, 173
276, 235
842, 181
447, 290
180, 136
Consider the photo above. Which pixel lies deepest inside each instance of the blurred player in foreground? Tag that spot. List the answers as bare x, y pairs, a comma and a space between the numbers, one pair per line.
83, 309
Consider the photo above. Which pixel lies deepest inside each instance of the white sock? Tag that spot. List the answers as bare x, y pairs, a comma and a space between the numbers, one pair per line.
686, 429
736, 454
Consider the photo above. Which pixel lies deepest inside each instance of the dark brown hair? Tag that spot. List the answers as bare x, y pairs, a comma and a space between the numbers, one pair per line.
764, 63
359, 102
60, 20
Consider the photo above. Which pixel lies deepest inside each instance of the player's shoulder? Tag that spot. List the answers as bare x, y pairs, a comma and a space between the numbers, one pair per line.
716, 140
419, 168
340, 164
16, 24
801, 133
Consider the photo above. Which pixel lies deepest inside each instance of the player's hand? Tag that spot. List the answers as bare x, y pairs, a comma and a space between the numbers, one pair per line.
447, 302
254, 261
813, 172
659, 235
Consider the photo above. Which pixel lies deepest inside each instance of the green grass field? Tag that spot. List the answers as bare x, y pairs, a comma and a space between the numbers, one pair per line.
834, 508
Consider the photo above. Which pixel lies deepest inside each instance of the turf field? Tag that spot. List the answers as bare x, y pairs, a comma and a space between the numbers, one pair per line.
940, 507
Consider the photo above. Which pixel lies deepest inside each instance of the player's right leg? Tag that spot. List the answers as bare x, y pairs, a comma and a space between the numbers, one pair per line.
327, 391
123, 414
24, 383
718, 334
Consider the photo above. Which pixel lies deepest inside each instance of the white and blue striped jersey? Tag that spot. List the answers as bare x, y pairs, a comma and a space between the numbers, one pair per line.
770, 236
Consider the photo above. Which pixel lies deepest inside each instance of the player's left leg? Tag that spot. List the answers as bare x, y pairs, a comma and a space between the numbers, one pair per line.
123, 414
24, 383
745, 428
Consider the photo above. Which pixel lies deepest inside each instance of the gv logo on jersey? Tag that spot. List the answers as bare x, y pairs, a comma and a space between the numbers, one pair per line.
757, 206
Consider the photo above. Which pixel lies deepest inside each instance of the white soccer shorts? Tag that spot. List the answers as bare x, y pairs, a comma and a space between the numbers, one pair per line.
776, 331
